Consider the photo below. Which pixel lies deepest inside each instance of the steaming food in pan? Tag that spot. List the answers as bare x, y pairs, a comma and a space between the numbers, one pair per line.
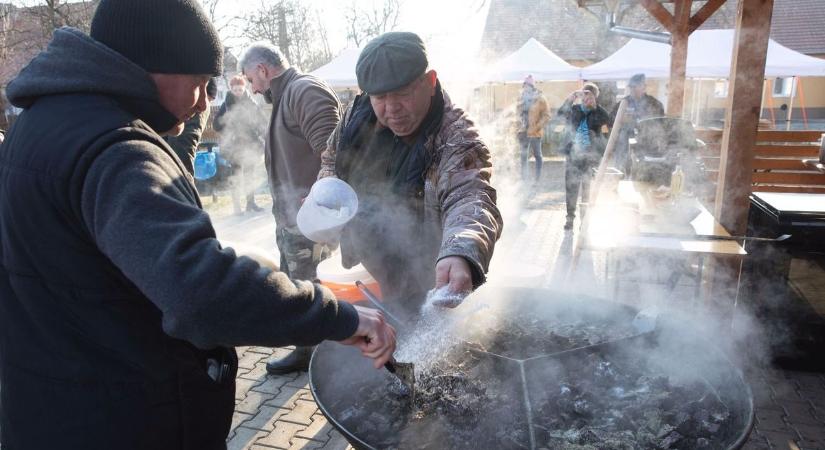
502, 383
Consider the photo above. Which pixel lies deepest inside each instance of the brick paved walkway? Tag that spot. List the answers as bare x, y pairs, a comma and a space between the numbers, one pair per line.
278, 411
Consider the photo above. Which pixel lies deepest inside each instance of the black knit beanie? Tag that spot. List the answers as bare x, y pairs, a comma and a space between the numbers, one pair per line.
161, 36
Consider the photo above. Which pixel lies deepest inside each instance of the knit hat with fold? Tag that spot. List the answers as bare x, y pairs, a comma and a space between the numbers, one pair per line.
161, 36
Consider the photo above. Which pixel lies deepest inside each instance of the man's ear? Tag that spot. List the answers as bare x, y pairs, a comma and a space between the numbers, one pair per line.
271, 72
432, 76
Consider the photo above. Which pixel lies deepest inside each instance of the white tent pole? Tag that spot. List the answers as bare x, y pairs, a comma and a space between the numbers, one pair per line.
694, 97
762, 103
790, 105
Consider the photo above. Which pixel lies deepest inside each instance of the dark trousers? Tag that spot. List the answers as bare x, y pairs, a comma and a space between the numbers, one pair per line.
577, 175
530, 146
621, 154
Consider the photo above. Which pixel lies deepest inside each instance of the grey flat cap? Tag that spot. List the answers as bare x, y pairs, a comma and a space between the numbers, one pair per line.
391, 61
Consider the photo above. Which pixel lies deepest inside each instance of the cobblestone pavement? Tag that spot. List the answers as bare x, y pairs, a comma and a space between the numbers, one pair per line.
279, 412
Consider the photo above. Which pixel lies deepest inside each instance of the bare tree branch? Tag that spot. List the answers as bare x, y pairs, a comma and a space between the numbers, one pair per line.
222, 23
25, 30
293, 27
367, 22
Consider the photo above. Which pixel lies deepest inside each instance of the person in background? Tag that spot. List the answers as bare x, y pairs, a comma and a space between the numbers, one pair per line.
119, 309
427, 214
305, 110
534, 114
587, 126
240, 123
185, 145
640, 106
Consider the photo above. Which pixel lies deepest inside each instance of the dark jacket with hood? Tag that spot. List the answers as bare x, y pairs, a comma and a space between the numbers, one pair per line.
598, 122
117, 304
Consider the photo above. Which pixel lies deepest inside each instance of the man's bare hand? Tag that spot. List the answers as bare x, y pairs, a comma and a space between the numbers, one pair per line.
455, 271
374, 336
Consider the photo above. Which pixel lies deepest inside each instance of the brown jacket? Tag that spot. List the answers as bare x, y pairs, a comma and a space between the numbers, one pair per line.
305, 110
458, 198
537, 115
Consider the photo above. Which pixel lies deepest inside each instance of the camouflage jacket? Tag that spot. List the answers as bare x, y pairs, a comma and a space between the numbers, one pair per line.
458, 198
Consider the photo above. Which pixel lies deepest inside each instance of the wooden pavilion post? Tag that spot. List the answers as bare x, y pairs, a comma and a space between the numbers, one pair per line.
678, 58
753, 25
680, 24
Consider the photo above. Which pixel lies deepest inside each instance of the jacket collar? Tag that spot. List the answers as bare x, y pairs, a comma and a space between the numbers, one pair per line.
278, 85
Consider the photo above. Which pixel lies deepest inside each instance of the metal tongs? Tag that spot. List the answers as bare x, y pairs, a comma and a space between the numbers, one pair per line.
405, 372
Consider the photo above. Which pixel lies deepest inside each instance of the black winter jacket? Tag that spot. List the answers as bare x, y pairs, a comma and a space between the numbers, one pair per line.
115, 295
598, 122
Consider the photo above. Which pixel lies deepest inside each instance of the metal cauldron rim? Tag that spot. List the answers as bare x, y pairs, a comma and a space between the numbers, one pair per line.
351, 438
743, 437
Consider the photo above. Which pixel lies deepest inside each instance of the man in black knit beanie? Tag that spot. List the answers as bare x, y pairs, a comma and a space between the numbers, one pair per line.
119, 309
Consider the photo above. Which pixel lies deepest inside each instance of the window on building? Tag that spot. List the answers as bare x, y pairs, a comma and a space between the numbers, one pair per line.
783, 87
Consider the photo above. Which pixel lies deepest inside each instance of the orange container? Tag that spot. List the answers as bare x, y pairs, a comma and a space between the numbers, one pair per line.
341, 281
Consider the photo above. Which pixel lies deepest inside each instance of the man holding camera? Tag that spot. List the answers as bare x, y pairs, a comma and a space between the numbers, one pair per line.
587, 131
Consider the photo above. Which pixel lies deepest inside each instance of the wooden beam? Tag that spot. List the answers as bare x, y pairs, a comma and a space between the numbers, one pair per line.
789, 136
704, 13
658, 12
678, 57
753, 26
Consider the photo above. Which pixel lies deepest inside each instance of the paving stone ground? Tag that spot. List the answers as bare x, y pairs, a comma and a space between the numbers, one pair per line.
278, 411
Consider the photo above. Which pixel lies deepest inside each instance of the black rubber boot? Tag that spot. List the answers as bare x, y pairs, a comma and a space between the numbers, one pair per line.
297, 360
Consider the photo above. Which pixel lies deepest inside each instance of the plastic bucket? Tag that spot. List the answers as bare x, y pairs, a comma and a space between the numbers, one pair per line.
341, 281
331, 203
205, 165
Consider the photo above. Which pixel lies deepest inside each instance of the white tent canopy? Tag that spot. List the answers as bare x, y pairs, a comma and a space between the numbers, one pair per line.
709, 56
340, 72
532, 59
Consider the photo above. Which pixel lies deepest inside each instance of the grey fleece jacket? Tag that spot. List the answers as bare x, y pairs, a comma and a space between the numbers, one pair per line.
143, 213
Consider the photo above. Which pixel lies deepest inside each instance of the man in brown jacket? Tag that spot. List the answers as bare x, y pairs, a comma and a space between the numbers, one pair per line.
427, 213
534, 114
304, 112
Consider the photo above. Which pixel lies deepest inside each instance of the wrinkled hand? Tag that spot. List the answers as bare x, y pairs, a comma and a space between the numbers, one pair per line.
374, 336
455, 272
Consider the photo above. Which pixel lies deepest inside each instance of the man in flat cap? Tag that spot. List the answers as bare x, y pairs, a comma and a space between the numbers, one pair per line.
427, 214
118, 307
305, 110
640, 106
